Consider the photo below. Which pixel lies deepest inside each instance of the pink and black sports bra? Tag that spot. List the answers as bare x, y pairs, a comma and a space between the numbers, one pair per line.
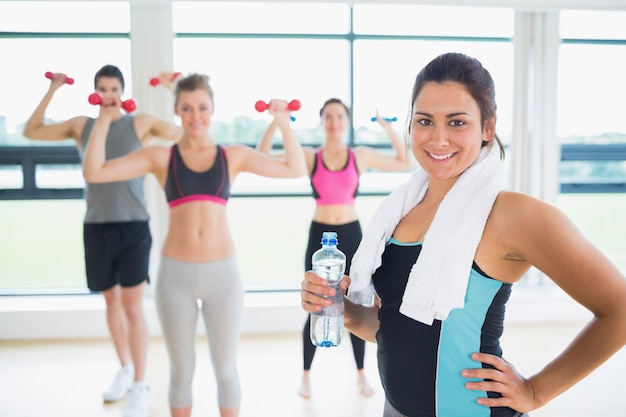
334, 187
184, 185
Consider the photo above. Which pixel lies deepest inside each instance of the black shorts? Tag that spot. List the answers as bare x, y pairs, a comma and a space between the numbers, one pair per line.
116, 253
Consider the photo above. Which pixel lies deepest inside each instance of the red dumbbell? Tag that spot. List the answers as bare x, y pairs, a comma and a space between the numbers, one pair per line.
154, 81
261, 106
128, 105
68, 80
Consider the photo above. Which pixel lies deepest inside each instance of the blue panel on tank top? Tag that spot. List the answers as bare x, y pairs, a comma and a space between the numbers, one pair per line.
462, 332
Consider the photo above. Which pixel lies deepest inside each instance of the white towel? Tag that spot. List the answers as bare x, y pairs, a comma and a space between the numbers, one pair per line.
438, 280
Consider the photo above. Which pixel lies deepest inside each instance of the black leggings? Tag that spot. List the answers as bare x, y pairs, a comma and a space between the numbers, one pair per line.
349, 236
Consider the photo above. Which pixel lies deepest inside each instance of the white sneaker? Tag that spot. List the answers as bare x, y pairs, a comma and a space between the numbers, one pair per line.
138, 402
121, 385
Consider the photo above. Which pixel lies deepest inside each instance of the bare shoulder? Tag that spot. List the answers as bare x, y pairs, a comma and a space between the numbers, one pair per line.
237, 153
364, 157
145, 121
76, 126
509, 199
518, 220
145, 117
159, 155
520, 207
148, 126
367, 157
237, 150
78, 121
521, 231
361, 152
309, 151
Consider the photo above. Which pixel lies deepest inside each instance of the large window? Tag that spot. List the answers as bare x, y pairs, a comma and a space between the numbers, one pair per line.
353, 56
393, 43
74, 42
41, 240
365, 54
591, 91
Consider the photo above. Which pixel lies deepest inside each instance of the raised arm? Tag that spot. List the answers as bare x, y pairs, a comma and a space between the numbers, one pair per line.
370, 158
69, 129
265, 147
265, 144
97, 169
149, 127
292, 165
294, 156
168, 79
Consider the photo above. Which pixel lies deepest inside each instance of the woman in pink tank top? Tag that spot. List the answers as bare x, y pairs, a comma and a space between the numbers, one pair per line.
334, 169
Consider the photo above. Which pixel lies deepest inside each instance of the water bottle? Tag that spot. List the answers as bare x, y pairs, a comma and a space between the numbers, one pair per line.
330, 264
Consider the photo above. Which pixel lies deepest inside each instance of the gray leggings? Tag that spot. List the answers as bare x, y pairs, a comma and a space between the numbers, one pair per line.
218, 285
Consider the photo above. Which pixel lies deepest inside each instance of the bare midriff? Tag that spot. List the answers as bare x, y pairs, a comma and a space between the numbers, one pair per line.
198, 232
335, 214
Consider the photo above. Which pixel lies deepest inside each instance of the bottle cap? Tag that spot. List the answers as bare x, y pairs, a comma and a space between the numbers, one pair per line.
329, 238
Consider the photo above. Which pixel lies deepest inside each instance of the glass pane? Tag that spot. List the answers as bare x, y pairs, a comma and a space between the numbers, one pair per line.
591, 91
11, 177
59, 176
583, 172
595, 215
382, 182
389, 89
257, 17
65, 16
592, 24
243, 71
26, 84
41, 245
247, 184
387, 19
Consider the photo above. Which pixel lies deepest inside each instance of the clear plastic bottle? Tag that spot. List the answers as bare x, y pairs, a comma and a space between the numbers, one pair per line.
329, 263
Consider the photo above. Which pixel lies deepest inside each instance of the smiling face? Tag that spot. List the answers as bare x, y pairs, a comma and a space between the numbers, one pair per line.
446, 130
194, 109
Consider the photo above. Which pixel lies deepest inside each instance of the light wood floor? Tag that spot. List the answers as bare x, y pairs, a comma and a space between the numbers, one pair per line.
56, 378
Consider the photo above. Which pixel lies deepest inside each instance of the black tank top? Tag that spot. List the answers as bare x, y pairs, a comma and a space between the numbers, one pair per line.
184, 185
420, 365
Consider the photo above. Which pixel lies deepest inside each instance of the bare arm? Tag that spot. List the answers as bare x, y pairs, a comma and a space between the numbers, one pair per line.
97, 169
149, 127
369, 158
582, 271
265, 144
265, 147
69, 129
168, 79
293, 163
548, 240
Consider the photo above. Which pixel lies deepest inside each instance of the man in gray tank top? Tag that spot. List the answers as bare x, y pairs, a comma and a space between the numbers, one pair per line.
116, 236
